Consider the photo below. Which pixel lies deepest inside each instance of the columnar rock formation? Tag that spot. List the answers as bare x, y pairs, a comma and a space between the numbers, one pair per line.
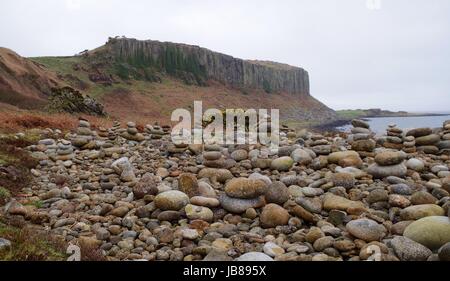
223, 68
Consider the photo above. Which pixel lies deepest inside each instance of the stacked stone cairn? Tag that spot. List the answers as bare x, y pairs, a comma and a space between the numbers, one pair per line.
388, 163
394, 138
155, 131
213, 157
362, 138
426, 140
444, 144
103, 132
65, 151
409, 144
113, 132
132, 133
84, 138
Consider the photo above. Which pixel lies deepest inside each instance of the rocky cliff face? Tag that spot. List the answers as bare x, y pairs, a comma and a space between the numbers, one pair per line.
204, 64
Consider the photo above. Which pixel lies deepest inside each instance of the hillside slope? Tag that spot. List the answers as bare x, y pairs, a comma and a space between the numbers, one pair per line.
24, 83
146, 80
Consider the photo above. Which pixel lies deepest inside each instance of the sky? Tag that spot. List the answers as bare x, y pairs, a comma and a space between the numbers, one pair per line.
389, 54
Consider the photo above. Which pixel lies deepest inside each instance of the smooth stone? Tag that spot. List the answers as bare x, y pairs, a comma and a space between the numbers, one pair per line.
212, 155
238, 206
415, 164
277, 193
444, 144
428, 149
389, 158
254, 256
258, 176
245, 188
217, 256
322, 149
119, 211
377, 195
364, 145
359, 130
301, 157
357, 173
400, 188
428, 140
335, 157
239, 155
323, 243
334, 202
343, 179
205, 201
282, 164
273, 215
432, 232
420, 211
366, 229
444, 252
169, 216
423, 197
378, 171
188, 184
220, 175
272, 249
198, 213
419, 132
360, 123
313, 205
172, 200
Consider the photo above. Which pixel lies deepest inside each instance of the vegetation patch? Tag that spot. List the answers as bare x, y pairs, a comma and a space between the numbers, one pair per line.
31, 245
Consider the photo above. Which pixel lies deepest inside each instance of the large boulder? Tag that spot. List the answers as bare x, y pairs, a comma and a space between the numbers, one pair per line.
432, 232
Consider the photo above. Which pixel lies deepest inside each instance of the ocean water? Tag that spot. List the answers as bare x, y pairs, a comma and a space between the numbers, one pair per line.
380, 124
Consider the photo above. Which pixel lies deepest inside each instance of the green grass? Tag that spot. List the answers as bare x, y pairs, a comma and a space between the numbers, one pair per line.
4, 193
62, 65
38, 204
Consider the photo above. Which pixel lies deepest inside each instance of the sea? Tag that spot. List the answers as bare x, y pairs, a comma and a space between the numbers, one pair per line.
380, 124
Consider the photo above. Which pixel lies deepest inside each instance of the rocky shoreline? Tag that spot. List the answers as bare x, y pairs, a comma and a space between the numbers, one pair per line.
137, 196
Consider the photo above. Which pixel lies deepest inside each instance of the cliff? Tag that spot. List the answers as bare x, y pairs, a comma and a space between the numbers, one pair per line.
202, 64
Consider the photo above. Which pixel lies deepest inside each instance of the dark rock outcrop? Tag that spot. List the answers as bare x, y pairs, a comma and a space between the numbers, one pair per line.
69, 100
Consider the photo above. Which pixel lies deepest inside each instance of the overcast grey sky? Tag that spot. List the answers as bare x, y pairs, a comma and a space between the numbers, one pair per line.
396, 57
